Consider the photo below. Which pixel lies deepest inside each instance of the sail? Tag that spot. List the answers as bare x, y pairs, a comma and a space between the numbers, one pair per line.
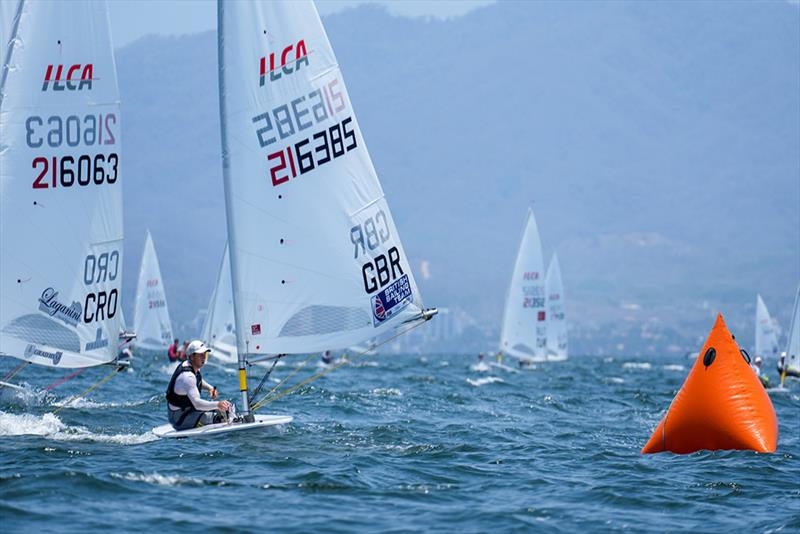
524, 329
8, 16
316, 259
60, 185
793, 344
151, 315
766, 332
219, 329
556, 318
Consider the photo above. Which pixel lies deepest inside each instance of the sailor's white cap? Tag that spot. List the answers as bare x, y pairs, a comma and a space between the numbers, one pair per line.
758, 359
197, 346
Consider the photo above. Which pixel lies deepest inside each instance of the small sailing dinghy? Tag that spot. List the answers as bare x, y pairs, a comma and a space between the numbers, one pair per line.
556, 317
524, 332
315, 258
61, 204
151, 313
219, 328
766, 337
792, 353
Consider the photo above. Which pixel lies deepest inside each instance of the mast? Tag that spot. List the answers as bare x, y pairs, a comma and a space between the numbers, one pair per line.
226, 178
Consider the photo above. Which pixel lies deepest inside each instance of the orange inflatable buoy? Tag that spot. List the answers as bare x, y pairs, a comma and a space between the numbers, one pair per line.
721, 405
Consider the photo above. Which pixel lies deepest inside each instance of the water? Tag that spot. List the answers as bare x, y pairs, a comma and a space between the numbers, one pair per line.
395, 444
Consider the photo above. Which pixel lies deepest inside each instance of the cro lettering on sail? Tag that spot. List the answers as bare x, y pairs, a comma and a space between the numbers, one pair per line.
391, 300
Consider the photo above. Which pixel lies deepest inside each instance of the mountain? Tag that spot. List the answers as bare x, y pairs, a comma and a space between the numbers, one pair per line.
659, 144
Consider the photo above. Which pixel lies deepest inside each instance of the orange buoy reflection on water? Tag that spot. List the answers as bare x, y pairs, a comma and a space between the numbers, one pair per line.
721, 405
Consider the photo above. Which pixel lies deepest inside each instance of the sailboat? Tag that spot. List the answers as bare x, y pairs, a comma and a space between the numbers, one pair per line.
151, 314
556, 319
316, 260
792, 357
61, 204
219, 329
524, 331
766, 335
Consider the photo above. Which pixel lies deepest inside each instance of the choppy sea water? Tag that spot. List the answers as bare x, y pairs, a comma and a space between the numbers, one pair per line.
390, 443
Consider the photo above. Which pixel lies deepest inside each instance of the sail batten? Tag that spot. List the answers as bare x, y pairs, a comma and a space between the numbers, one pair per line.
316, 260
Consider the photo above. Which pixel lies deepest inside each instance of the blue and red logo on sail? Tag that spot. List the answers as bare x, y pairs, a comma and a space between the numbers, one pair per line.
377, 307
68, 77
391, 300
287, 64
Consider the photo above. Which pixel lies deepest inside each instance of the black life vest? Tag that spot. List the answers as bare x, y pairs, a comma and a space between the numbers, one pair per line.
182, 401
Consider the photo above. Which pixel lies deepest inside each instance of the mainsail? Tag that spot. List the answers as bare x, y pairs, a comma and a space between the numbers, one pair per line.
61, 185
151, 315
793, 344
524, 330
766, 334
316, 259
219, 328
556, 318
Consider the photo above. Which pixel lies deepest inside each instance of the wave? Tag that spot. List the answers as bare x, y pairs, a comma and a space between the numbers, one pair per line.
486, 380
50, 426
637, 365
158, 479
673, 367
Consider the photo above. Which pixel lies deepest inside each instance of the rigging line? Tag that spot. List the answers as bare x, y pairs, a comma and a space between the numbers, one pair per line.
266, 375
61, 381
294, 388
98, 384
257, 405
14, 372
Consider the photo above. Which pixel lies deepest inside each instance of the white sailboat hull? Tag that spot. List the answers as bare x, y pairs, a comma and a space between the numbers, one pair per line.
261, 421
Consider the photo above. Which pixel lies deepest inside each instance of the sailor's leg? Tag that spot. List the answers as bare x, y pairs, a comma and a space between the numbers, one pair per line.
189, 418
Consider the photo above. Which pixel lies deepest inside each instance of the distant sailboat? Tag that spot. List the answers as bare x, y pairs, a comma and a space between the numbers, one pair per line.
219, 329
524, 332
556, 318
766, 336
151, 315
61, 204
792, 360
316, 260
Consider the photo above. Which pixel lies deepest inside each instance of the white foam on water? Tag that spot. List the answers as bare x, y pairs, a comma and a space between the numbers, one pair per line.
157, 479
86, 403
637, 365
480, 367
673, 367
485, 380
386, 392
615, 380
50, 426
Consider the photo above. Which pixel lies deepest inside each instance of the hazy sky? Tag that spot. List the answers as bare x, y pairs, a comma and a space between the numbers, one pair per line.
131, 19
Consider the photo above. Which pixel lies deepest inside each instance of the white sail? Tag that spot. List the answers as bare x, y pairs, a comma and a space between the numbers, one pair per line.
219, 328
8, 17
793, 343
766, 332
61, 185
151, 315
524, 323
316, 259
555, 317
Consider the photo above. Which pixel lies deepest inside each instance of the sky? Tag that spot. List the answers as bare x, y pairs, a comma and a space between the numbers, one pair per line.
132, 19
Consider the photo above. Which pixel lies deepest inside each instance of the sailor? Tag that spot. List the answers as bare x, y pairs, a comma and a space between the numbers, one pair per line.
327, 359
173, 351
757, 369
185, 407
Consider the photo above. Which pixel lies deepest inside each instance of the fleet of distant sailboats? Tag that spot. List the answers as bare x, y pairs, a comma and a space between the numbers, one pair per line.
534, 325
